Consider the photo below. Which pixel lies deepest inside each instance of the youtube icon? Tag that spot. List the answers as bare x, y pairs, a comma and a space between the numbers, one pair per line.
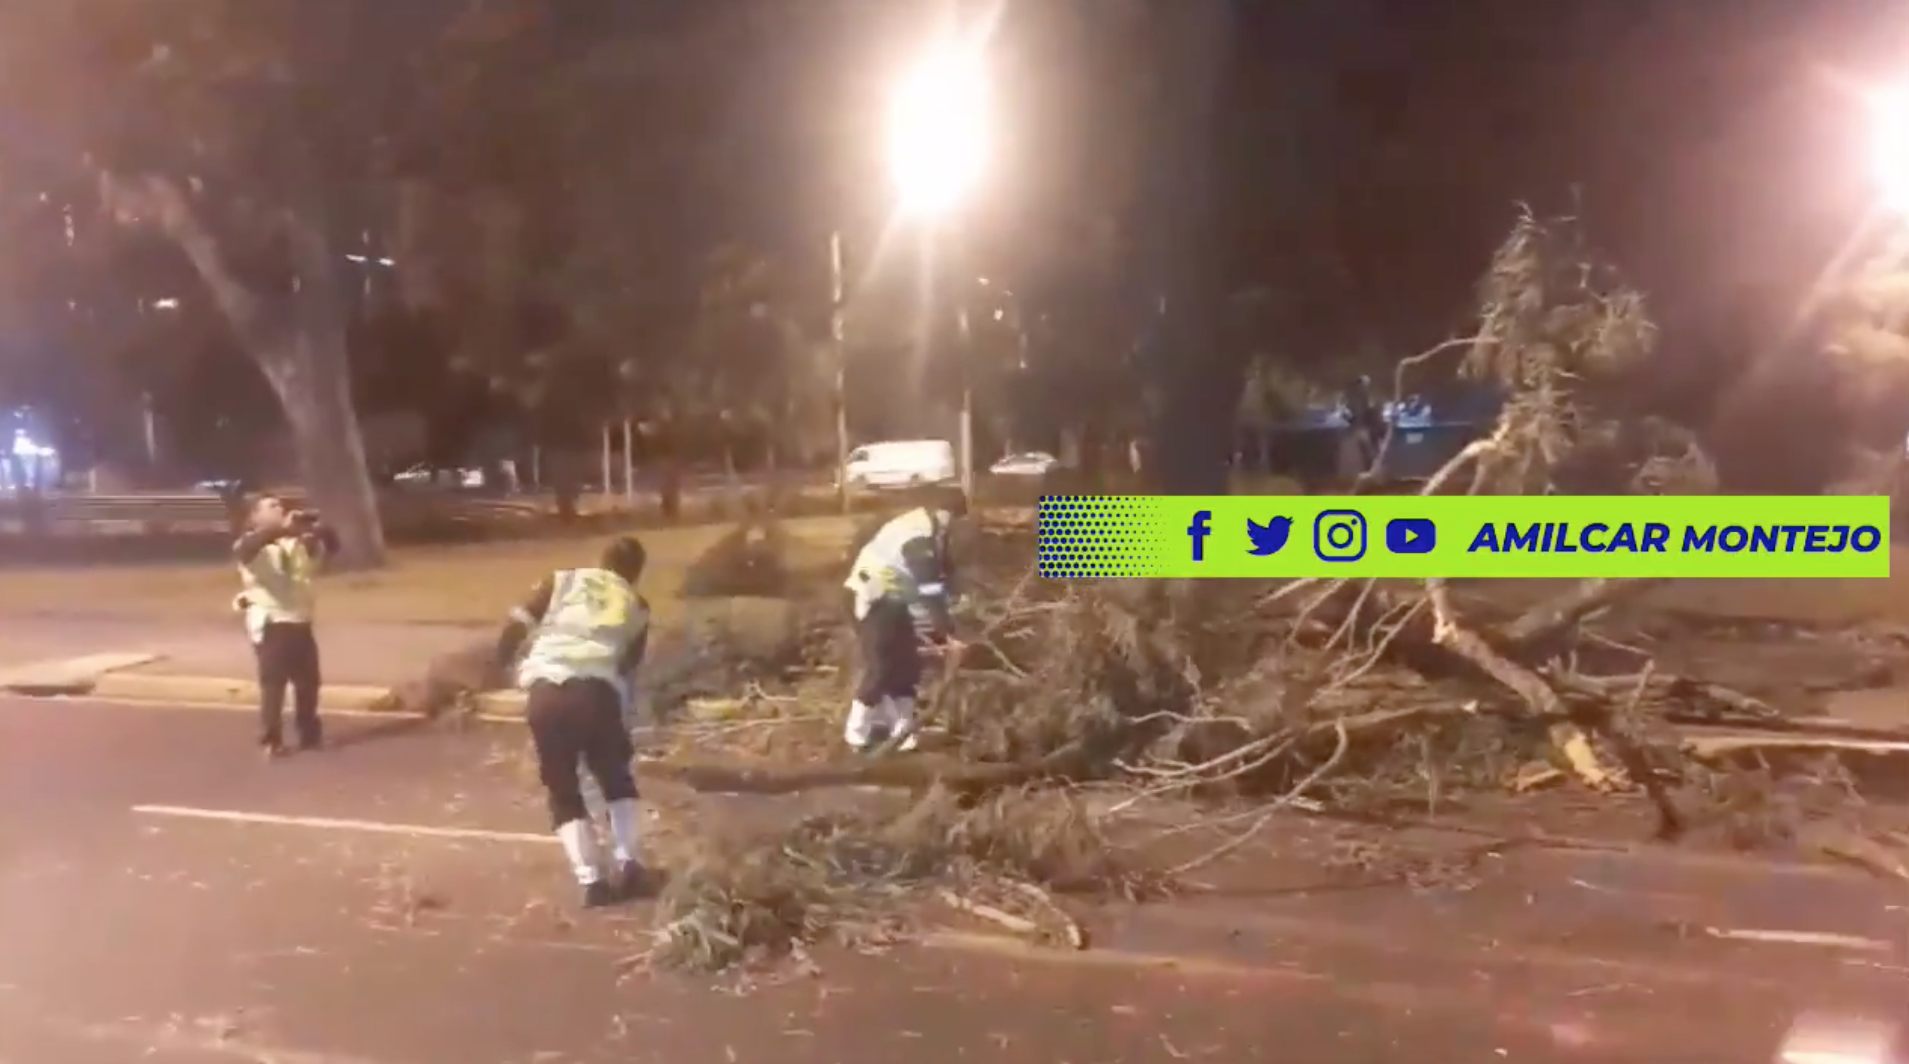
1411, 535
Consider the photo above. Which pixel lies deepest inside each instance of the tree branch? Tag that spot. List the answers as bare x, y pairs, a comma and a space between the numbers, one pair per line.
1549, 619
1537, 695
161, 202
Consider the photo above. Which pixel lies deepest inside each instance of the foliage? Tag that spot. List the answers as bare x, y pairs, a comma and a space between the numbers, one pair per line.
752, 366
1559, 334
755, 898
237, 132
1866, 328
589, 278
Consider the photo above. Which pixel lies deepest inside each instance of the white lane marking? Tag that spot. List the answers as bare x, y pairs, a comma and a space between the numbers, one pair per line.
324, 823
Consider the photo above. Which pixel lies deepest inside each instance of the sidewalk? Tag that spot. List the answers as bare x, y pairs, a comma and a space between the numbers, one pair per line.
354, 653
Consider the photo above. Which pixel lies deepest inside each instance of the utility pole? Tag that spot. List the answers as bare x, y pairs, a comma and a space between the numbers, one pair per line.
838, 345
609, 483
963, 286
965, 339
629, 467
150, 422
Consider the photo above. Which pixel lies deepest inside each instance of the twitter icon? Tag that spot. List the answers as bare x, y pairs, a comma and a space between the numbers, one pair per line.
1270, 537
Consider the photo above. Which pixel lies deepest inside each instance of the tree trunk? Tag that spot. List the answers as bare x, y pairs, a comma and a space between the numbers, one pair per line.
565, 484
1071, 451
669, 485
297, 338
311, 374
672, 488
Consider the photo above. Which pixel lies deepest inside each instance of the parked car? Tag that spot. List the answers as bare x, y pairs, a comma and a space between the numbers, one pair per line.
423, 476
893, 464
1026, 464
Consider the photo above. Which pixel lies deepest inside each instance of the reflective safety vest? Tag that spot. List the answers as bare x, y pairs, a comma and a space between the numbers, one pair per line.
594, 616
883, 569
276, 586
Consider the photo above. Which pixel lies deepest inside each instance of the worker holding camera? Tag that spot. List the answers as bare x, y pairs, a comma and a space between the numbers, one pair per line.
278, 554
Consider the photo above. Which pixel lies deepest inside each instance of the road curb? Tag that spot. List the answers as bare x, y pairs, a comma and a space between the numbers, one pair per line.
214, 690
65, 675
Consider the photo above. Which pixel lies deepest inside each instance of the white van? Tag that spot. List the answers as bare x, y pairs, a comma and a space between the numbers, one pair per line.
895, 464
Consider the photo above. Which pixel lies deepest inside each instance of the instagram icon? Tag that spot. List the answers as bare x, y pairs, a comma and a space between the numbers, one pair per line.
1339, 536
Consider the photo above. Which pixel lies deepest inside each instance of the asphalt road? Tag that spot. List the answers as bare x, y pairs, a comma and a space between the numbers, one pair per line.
162, 900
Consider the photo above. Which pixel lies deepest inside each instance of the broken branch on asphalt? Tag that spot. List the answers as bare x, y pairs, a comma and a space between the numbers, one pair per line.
1110, 737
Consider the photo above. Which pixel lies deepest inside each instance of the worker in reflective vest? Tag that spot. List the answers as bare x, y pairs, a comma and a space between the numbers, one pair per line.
278, 554
901, 585
583, 633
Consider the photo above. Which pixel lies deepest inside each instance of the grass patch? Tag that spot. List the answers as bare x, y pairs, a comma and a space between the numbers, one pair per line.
473, 584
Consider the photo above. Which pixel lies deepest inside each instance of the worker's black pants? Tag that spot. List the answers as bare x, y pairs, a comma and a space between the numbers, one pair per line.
288, 657
891, 653
579, 721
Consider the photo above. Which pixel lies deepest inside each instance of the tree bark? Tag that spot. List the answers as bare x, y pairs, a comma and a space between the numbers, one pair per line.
311, 373
670, 485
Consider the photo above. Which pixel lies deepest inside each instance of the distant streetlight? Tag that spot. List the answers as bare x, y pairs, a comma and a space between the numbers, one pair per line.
938, 129
1889, 149
937, 148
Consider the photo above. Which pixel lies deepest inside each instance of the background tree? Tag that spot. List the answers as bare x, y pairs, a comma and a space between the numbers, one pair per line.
1865, 329
557, 205
764, 365
248, 134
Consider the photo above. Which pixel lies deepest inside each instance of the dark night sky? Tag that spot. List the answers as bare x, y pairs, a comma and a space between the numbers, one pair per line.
1374, 150
1705, 140
1710, 149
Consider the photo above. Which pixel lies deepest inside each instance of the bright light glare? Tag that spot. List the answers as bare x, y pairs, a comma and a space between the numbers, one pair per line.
937, 131
1824, 1038
1889, 148
24, 447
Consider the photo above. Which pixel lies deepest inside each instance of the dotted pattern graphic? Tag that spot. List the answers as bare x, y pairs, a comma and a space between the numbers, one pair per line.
1097, 536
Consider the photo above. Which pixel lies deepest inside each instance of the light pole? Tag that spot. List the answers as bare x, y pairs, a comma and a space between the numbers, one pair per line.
1889, 204
937, 152
1889, 149
1889, 171
838, 344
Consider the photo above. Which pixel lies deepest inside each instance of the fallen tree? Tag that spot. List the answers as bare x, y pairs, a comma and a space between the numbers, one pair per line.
1076, 708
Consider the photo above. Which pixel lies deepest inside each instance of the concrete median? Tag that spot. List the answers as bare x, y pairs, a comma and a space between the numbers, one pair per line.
59, 676
214, 690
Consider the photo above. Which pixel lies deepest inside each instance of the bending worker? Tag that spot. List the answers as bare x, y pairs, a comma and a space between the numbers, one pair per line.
278, 554
902, 587
583, 633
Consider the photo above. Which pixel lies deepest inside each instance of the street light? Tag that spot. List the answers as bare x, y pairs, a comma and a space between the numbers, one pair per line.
1888, 206
937, 155
937, 131
937, 148
1889, 149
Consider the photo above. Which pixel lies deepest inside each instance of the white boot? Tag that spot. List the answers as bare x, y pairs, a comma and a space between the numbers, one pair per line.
860, 729
623, 829
900, 713
579, 840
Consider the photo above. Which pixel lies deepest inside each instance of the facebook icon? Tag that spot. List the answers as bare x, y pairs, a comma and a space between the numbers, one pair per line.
1201, 528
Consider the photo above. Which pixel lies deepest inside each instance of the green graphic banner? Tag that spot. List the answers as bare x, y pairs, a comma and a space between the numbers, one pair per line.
1463, 536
